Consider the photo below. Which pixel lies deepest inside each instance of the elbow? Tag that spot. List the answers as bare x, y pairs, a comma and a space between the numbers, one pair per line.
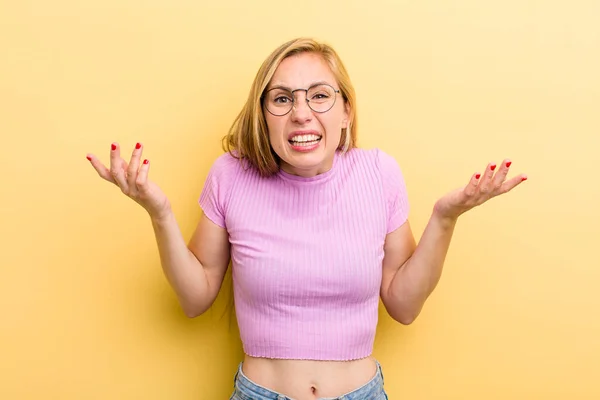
192, 310
192, 313
406, 319
404, 315
403, 309
196, 303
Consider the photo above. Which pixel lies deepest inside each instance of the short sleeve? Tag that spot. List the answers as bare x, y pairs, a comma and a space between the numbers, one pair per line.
394, 190
217, 189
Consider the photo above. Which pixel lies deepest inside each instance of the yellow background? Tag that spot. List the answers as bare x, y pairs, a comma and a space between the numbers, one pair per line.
445, 87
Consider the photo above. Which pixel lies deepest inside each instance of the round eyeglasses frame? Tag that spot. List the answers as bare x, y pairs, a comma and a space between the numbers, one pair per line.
306, 97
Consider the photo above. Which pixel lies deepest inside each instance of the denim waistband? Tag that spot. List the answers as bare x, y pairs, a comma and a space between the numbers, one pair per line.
245, 389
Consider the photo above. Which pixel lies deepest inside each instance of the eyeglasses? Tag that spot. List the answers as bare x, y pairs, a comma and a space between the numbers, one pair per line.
280, 101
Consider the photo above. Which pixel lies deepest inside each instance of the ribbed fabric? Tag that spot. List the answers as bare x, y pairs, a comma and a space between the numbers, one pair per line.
307, 252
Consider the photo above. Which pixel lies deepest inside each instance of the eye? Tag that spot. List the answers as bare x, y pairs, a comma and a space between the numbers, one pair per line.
320, 96
281, 99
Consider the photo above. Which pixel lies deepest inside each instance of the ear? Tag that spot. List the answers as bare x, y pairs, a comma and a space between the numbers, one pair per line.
347, 114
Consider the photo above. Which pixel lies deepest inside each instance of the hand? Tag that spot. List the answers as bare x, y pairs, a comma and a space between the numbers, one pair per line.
133, 180
479, 190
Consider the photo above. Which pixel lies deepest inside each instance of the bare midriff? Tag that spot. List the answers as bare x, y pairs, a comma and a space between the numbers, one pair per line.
309, 379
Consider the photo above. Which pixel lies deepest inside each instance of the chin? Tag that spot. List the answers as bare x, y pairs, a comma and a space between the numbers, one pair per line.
314, 160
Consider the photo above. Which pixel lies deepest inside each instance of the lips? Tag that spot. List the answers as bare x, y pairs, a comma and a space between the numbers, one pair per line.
299, 137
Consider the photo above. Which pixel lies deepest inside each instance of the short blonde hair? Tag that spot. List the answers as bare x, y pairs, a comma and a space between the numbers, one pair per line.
248, 137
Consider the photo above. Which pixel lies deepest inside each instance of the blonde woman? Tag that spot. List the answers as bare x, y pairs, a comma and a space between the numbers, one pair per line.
315, 228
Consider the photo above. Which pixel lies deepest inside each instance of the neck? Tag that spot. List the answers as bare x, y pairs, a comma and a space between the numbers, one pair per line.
309, 172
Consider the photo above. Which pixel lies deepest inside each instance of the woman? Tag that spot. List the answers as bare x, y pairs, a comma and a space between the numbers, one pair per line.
317, 231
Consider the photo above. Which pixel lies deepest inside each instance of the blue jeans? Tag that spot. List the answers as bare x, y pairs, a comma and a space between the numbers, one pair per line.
245, 389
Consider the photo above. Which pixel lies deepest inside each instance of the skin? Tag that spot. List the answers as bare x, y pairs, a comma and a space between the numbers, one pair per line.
411, 271
302, 71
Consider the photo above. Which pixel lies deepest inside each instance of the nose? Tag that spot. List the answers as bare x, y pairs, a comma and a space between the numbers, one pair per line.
301, 112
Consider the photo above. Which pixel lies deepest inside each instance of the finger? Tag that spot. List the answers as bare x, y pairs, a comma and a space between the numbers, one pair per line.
100, 168
117, 168
471, 188
134, 165
512, 183
141, 181
485, 185
501, 174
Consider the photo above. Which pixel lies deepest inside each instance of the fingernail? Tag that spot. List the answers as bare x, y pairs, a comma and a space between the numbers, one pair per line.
523, 178
508, 164
145, 161
113, 146
493, 167
89, 158
137, 146
477, 176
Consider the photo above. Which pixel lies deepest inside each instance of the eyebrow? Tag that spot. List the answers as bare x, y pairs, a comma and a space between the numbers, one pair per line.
280, 86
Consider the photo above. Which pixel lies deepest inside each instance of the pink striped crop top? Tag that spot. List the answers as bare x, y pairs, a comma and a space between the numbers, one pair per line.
307, 252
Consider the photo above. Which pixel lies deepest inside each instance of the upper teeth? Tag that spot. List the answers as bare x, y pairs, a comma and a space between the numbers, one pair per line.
305, 138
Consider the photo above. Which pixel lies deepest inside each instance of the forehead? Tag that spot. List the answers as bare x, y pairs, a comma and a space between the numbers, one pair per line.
301, 71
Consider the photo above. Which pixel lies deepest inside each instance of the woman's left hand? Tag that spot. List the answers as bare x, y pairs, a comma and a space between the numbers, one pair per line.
479, 190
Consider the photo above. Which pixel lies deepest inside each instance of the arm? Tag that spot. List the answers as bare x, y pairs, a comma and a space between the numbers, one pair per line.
195, 272
411, 273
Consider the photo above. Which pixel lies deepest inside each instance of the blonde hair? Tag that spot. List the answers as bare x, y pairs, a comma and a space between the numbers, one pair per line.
248, 137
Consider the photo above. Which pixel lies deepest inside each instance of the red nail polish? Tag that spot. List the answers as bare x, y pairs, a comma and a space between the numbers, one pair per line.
493, 167
113, 146
89, 158
477, 176
145, 161
138, 146
523, 178
508, 164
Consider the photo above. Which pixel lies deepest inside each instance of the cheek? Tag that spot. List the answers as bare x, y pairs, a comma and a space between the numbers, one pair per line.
272, 128
275, 124
333, 125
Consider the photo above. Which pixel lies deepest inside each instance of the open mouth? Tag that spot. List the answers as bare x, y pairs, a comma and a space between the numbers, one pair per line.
305, 140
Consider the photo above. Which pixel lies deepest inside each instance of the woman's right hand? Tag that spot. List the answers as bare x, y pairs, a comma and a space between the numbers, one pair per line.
133, 180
